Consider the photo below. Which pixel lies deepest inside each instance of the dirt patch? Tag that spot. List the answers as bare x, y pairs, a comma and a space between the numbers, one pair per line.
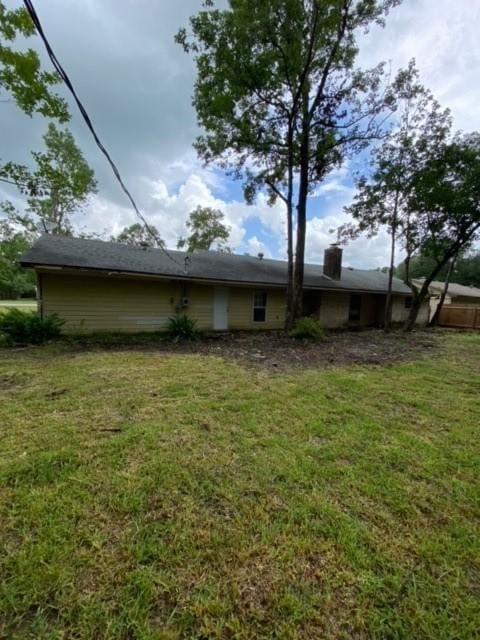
275, 351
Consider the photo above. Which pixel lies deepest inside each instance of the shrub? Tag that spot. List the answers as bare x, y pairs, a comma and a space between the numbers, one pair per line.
25, 327
182, 328
307, 329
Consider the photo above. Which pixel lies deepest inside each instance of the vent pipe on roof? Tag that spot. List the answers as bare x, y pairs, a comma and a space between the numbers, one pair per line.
332, 263
260, 256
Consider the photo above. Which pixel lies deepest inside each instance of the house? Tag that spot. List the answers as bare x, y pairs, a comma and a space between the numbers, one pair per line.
457, 294
106, 286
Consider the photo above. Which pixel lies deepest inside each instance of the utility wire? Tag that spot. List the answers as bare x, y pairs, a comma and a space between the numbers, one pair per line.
63, 74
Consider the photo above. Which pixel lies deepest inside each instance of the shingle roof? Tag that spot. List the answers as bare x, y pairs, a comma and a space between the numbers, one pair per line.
51, 250
454, 290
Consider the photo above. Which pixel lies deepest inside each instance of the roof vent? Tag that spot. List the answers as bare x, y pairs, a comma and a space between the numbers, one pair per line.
144, 244
260, 256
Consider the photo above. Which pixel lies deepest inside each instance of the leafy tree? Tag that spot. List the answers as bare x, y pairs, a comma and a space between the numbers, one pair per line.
21, 75
59, 186
281, 102
14, 281
446, 201
383, 198
137, 234
419, 267
206, 228
467, 270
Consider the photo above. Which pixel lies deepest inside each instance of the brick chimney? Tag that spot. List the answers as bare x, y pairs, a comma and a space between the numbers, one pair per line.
332, 262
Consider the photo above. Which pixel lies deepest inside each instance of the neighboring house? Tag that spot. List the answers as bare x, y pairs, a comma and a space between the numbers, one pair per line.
106, 286
457, 294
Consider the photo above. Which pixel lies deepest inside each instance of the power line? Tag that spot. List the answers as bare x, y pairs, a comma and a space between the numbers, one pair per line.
63, 74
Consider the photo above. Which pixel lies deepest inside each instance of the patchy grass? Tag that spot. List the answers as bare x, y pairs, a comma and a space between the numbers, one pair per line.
24, 304
153, 495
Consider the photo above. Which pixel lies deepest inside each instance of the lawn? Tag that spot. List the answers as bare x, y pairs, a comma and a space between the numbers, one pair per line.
25, 304
153, 495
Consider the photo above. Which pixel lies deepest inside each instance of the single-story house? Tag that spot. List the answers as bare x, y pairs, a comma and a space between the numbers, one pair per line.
106, 286
457, 294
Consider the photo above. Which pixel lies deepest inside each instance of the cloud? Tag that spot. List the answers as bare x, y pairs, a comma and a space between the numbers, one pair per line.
137, 84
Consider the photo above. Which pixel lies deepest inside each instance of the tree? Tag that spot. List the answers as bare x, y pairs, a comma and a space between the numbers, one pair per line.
136, 234
14, 281
466, 269
383, 198
207, 228
419, 267
21, 75
60, 185
446, 200
280, 101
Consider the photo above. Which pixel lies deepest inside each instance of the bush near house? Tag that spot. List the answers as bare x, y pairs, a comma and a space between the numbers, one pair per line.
25, 327
182, 328
307, 329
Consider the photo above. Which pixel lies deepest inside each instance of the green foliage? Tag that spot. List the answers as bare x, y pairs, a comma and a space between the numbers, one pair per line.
207, 228
280, 100
182, 328
419, 267
467, 270
60, 185
307, 328
136, 234
25, 327
14, 281
20, 71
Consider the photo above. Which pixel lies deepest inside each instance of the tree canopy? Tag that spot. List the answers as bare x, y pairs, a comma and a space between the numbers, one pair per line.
383, 198
14, 281
207, 229
137, 234
21, 74
58, 187
281, 102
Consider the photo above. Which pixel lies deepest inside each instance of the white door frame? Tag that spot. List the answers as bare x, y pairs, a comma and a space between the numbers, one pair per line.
220, 309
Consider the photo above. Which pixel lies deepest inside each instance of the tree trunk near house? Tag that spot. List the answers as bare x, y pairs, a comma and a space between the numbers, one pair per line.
388, 303
299, 267
420, 296
436, 315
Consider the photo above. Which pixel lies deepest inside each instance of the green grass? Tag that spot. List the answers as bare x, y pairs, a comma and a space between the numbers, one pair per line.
145, 495
25, 304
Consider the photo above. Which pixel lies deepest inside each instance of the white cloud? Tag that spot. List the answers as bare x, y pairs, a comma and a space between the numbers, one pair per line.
255, 246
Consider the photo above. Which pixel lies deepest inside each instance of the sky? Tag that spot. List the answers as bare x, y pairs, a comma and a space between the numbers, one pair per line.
137, 85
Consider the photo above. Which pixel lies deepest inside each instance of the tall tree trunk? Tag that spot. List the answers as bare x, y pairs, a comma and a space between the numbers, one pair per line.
436, 315
299, 267
388, 302
289, 316
420, 296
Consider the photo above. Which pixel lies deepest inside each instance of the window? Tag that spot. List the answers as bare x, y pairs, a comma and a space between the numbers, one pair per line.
311, 303
408, 302
260, 306
355, 307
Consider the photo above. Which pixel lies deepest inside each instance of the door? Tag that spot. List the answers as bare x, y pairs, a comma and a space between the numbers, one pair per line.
220, 309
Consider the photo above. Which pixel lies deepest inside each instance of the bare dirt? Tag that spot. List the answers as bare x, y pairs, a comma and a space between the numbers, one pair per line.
277, 351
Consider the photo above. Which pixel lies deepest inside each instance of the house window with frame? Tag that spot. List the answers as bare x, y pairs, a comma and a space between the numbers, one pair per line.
355, 308
260, 306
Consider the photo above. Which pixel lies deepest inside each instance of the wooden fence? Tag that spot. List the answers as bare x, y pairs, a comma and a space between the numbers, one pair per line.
459, 316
